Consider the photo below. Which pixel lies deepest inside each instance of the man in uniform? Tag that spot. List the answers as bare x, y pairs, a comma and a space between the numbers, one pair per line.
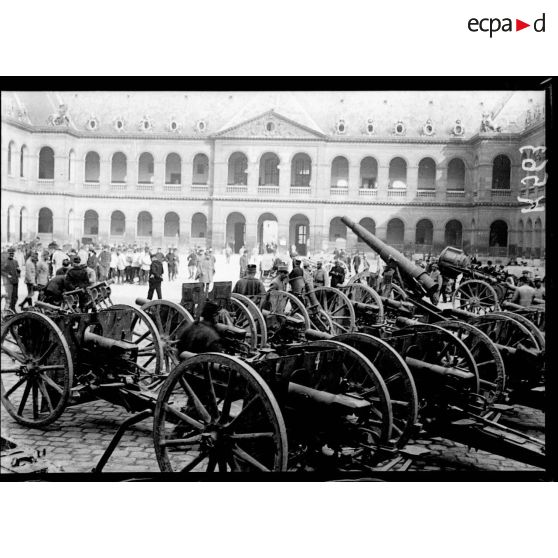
10, 275
280, 281
319, 276
337, 274
249, 285
54, 290
201, 336
155, 277
296, 278
387, 279
243, 263
65, 266
540, 292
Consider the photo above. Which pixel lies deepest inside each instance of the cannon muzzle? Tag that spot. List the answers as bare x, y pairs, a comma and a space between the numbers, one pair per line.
98, 341
407, 268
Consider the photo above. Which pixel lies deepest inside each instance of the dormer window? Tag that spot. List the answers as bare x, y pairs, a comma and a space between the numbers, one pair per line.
118, 124
201, 126
399, 128
92, 123
340, 126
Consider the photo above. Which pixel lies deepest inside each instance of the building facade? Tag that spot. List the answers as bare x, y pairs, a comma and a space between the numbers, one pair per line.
419, 169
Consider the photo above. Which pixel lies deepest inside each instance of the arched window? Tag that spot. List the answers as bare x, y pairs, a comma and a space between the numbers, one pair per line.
424, 232
456, 175
11, 147
301, 170
90, 223
498, 234
71, 165
172, 224
454, 233
117, 223
235, 231
173, 169
119, 168
146, 169
238, 164
145, 224
269, 170
200, 170
501, 171
368, 173
299, 230
337, 229
268, 231
46, 164
395, 232
45, 221
23, 161
427, 174
340, 172
199, 226
92, 167
398, 173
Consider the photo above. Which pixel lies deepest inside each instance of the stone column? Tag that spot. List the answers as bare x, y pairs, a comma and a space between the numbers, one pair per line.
186, 175
284, 179
159, 177
105, 174
60, 172
253, 177
354, 181
441, 183
484, 182
412, 182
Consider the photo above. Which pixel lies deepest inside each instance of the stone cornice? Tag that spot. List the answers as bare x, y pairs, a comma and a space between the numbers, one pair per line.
264, 200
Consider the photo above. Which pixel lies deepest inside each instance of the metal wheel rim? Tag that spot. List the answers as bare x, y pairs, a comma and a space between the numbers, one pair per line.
258, 318
475, 302
216, 418
360, 292
39, 378
249, 325
322, 294
523, 320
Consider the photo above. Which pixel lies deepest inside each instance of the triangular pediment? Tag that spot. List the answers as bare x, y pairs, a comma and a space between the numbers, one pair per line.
269, 125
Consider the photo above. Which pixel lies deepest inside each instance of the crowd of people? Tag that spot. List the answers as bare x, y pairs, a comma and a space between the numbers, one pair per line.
49, 271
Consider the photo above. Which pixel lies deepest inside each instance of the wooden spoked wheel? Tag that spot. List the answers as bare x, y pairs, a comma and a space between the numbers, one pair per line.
524, 321
431, 344
169, 318
397, 378
476, 296
37, 369
258, 318
357, 292
128, 323
215, 414
489, 361
336, 305
365, 277
537, 315
235, 313
506, 330
282, 304
351, 438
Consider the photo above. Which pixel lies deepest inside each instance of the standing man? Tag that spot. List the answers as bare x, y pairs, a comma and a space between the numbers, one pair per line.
10, 275
524, 293
104, 263
243, 263
280, 281
387, 279
192, 264
228, 253
266, 264
170, 264
145, 265
249, 285
155, 277
207, 269
58, 257
337, 274
356, 262
30, 279
296, 278
121, 265
540, 291
43, 271
136, 265
319, 276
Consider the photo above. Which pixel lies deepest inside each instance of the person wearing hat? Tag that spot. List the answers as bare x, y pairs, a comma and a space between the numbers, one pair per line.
206, 269
65, 266
155, 277
76, 277
337, 273
201, 336
296, 278
30, 279
43, 271
319, 275
145, 265
192, 264
280, 281
10, 276
243, 262
249, 285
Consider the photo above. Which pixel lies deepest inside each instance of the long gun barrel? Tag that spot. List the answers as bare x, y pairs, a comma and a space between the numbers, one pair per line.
407, 268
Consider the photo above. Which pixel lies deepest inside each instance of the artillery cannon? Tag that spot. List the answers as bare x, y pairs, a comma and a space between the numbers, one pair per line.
496, 339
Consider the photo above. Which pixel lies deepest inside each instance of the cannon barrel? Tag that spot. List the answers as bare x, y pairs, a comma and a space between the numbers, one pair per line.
389, 254
95, 341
